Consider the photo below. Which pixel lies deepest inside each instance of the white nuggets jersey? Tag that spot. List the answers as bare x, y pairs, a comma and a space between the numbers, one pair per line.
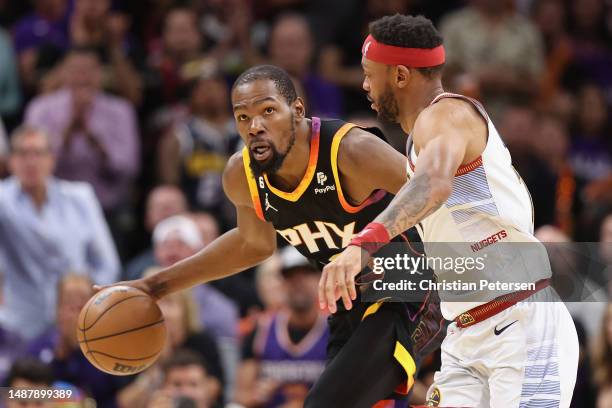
489, 205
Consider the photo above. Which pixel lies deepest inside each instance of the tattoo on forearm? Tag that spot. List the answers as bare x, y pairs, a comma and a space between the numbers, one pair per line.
411, 204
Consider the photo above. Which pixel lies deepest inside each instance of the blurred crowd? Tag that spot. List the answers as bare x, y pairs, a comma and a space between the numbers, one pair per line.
115, 127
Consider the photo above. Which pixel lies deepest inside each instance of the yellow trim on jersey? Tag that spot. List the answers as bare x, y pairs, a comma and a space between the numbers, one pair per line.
407, 362
400, 353
372, 309
252, 183
295, 195
334, 165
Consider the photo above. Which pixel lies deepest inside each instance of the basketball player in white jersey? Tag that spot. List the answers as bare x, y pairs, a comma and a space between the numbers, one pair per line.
502, 349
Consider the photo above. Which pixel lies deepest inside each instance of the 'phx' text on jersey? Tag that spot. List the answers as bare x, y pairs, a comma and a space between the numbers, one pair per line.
316, 218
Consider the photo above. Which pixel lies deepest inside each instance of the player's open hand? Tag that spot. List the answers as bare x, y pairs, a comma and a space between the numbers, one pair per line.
338, 278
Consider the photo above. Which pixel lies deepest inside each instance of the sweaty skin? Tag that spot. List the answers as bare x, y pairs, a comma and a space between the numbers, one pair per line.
366, 163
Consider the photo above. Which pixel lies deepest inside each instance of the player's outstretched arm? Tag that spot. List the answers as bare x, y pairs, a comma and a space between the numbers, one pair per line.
250, 243
444, 135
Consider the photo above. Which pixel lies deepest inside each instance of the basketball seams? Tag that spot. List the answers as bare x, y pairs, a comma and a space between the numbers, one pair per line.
85, 337
125, 331
106, 310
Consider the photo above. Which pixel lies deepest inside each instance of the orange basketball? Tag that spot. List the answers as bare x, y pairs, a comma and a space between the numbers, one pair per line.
121, 330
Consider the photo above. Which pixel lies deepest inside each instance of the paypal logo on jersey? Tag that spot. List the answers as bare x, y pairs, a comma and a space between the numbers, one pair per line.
321, 179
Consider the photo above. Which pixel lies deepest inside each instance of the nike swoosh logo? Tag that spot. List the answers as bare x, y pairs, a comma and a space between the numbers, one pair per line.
500, 331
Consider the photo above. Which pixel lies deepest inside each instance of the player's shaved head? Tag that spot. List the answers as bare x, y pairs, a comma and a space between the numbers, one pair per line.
280, 77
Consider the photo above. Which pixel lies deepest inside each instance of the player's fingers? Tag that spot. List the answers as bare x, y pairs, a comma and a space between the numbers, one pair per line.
343, 285
322, 282
330, 290
97, 288
350, 283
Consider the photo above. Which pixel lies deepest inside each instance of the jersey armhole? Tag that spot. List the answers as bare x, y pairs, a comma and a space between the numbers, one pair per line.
464, 168
340, 133
252, 184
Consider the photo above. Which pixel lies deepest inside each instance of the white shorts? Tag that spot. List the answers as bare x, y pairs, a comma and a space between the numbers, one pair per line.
525, 356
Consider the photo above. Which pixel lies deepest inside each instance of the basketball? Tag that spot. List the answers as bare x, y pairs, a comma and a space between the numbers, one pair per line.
121, 330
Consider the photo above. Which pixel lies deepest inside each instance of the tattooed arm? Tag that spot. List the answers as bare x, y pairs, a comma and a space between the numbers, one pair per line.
428, 189
445, 135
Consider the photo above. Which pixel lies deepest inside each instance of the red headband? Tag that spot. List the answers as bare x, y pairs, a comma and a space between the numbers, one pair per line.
410, 57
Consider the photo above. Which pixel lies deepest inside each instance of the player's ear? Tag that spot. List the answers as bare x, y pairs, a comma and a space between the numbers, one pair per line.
299, 110
402, 76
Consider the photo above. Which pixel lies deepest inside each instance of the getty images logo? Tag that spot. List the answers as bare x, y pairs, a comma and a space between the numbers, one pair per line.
321, 179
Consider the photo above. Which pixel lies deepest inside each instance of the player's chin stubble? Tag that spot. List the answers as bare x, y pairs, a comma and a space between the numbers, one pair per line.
388, 111
276, 159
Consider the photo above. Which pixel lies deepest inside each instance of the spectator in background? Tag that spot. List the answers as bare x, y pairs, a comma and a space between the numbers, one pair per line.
10, 93
3, 149
92, 24
184, 327
163, 202
590, 156
171, 67
180, 55
605, 239
47, 227
224, 24
270, 287
149, 21
584, 390
591, 38
11, 344
341, 27
59, 346
29, 373
552, 145
291, 47
602, 361
517, 127
568, 267
184, 333
207, 225
94, 135
286, 354
40, 38
239, 287
491, 46
572, 264
194, 152
590, 153
177, 238
270, 294
604, 275
186, 383
550, 16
